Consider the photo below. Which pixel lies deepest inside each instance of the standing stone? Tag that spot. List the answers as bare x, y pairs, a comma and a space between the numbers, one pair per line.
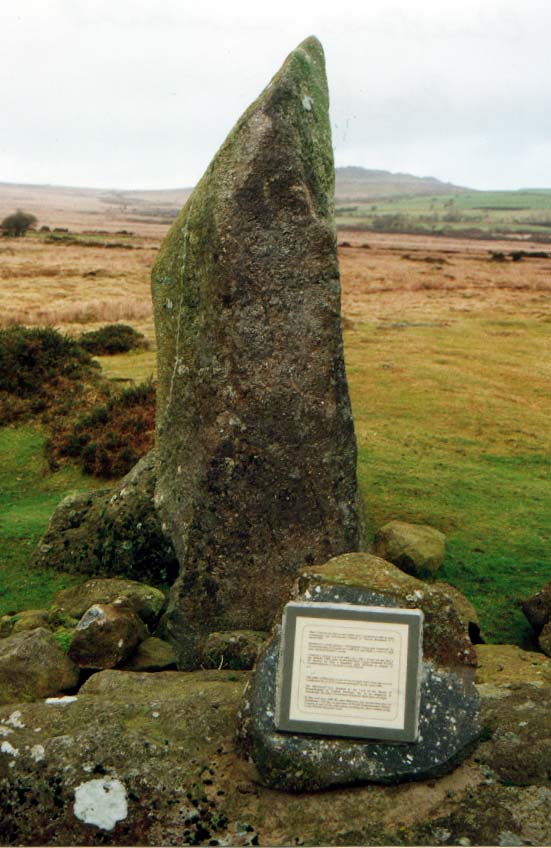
255, 438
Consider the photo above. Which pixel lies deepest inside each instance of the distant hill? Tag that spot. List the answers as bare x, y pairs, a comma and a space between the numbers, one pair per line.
366, 184
117, 208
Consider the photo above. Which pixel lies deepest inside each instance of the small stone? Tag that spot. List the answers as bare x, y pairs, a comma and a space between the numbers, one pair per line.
235, 649
105, 636
145, 600
30, 620
537, 608
415, 548
33, 666
152, 654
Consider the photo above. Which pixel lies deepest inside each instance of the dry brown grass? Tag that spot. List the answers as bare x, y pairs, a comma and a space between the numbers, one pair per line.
398, 276
66, 286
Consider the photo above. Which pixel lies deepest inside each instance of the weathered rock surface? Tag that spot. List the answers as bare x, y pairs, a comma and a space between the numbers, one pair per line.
32, 666
110, 532
537, 608
544, 639
31, 620
146, 601
164, 744
449, 726
152, 654
362, 578
255, 438
466, 611
233, 649
509, 665
415, 548
106, 636
6, 625
519, 726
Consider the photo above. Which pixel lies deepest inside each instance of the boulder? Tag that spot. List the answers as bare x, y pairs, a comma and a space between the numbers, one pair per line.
233, 649
110, 532
146, 601
366, 579
30, 620
537, 608
255, 437
32, 666
449, 722
106, 635
152, 654
415, 548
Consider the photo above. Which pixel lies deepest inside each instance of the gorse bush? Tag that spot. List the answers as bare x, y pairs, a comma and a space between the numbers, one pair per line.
18, 223
109, 438
40, 366
113, 338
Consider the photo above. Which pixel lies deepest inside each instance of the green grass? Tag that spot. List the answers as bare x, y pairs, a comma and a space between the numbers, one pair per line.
29, 493
455, 433
134, 367
453, 430
491, 212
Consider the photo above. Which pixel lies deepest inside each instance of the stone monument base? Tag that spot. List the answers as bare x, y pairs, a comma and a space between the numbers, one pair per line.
449, 726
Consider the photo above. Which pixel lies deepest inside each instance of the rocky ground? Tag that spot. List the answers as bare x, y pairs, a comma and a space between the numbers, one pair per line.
150, 758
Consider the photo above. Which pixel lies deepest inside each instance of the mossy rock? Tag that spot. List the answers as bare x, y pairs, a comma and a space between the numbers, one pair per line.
509, 665
110, 532
33, 666
415, 548
146, 601
30, 620
236, 649
446, 639
152, 654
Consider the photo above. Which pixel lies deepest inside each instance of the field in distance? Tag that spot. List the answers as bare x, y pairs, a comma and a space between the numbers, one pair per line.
447, 343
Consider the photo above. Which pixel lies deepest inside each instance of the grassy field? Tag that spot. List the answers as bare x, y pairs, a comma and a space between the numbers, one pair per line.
479, 213
448, 357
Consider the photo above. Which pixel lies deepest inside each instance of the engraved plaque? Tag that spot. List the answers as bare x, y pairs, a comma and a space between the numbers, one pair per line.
348, 670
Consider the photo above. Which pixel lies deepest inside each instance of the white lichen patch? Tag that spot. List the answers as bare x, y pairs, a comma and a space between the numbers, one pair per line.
7, 748
64, 699
14, 719
5, 731
307, 103
101, 802
95, 615
37, 753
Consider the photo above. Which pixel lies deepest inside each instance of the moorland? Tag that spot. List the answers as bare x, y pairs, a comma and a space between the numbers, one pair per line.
447, 344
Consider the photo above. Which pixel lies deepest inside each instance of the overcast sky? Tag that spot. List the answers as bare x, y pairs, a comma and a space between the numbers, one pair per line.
140, 93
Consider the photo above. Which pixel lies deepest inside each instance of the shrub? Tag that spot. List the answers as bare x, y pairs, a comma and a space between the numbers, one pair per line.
113, 338
110, 438
18, 223
38, 367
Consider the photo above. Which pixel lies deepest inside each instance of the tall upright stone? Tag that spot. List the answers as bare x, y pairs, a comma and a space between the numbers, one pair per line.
255, 438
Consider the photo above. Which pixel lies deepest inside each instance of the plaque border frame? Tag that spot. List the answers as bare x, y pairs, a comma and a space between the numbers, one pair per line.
413, 618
